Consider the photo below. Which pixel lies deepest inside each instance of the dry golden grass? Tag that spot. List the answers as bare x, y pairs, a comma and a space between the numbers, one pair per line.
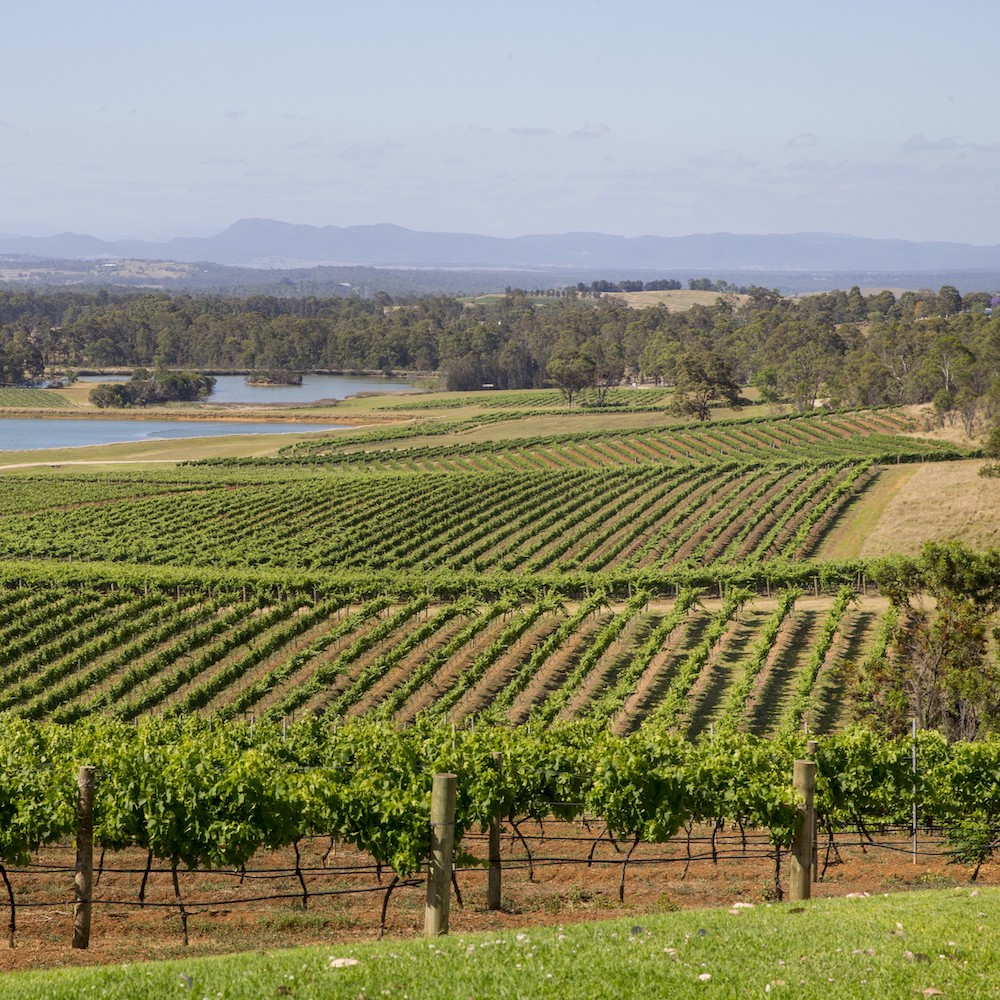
912, 504
676, 300
925, 427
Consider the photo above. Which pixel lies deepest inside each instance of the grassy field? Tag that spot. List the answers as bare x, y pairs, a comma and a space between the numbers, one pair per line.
912, 504
938, 943
676, 300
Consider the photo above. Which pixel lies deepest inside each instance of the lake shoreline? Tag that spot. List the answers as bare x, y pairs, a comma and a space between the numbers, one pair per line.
390, 376
188, 416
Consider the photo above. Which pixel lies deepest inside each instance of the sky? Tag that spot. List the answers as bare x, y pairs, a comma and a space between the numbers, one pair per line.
875, 118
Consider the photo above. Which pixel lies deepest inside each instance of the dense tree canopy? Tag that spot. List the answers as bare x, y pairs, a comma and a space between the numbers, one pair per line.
144, 388
844, 348
941, 670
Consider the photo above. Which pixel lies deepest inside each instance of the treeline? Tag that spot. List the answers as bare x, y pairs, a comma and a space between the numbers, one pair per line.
599, 288
845, 347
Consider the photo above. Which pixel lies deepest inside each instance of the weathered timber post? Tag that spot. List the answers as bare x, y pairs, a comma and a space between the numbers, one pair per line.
442, 850
83, 882
811, 747
493, 887
804, 782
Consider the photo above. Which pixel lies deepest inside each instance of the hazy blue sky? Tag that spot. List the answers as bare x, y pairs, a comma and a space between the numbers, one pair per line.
876, 118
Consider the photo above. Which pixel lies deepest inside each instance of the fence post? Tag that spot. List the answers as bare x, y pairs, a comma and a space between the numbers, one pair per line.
913, 786
804, 781
811, 747
442, 850
493, 888
83, 882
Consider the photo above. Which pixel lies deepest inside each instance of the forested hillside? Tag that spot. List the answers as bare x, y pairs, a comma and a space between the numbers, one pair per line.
842, 347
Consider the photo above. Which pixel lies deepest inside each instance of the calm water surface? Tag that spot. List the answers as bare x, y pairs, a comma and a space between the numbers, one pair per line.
24, 435
28, 434
233, 388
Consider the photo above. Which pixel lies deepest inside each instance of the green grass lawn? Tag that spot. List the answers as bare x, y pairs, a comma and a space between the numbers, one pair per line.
934, 943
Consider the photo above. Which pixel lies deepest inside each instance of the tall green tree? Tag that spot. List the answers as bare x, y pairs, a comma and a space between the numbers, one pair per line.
571, 370
940, 669
702, 378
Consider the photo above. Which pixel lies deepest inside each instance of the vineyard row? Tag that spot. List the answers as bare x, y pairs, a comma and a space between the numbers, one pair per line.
206, 795
693, 664
645, 518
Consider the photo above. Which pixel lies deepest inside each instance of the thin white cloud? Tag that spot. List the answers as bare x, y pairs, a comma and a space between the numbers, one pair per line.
919, 143
529, 131
311, 143
803, 140
233, 116
368, 152
590, 132
726, 159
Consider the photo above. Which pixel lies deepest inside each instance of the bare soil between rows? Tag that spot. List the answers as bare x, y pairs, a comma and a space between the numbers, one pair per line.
228, 912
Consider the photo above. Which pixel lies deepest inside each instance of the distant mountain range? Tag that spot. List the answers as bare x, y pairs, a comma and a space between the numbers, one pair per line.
263, 243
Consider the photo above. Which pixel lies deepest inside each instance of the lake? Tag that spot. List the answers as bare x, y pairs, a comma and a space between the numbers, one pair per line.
21, 434
233, 388
28, 434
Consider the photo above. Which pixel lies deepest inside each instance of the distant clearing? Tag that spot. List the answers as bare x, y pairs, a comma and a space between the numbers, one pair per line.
676, 300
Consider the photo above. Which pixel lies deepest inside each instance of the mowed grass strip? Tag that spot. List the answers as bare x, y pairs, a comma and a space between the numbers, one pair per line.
930, 943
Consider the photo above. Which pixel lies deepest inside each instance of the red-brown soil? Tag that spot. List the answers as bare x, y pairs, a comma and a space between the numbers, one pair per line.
564, 888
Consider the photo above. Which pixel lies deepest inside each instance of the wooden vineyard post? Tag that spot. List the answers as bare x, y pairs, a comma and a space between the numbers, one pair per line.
442, 849
493, 887
811, 747
83, 882
804, 782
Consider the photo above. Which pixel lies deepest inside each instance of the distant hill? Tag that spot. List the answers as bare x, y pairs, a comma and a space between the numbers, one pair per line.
263, 243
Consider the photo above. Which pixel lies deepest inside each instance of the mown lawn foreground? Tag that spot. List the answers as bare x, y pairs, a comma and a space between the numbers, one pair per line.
933, 943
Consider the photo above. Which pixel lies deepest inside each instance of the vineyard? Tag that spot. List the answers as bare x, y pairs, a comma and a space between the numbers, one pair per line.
23, 398
646, 518
256, 652
655, 577
872, 435
199, 795
204, 794
629, 399
691, 664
